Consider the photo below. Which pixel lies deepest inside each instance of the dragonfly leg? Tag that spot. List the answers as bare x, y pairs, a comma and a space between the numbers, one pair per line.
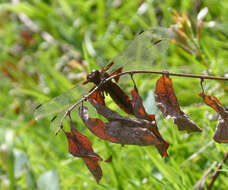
201, 84
53, 118
59, 129
131, 74
103, 95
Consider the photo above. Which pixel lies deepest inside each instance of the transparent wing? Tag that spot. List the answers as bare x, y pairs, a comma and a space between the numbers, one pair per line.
61, 103
146, 48
139, 54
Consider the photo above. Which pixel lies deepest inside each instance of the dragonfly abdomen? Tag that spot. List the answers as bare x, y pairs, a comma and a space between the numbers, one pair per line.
119, 97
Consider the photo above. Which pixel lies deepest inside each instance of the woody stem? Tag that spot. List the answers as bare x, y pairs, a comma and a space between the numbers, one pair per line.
84, 98
217, 171
172, 74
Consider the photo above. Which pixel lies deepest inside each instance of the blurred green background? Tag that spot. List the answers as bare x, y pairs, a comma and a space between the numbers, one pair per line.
46, 47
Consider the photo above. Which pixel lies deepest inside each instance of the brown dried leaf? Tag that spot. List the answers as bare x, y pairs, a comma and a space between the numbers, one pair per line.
213, 102
166, 101
97, 96
140, 112
80, 146
117, 131
221, 132
94, 167
123, 130
183, 122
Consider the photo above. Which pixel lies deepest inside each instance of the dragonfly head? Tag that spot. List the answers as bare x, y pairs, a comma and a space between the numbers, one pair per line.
94, 76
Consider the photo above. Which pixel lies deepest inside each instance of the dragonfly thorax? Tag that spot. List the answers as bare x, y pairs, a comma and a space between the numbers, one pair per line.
94, 76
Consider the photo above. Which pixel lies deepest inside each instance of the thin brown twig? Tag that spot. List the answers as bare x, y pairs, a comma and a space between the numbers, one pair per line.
84, 98
201, 183
217, 171
171, 74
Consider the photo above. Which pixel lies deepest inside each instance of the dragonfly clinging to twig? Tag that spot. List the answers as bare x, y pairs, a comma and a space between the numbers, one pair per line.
141, 52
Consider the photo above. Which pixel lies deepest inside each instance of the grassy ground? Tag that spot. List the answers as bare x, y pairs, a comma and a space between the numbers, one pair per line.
67, 34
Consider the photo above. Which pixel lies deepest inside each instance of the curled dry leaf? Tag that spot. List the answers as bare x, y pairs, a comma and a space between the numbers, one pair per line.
140, 112
221, 132
119, 129
80, 146
166, 101
97, 96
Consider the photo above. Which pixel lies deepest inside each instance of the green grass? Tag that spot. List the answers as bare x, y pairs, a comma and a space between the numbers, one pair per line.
94, 31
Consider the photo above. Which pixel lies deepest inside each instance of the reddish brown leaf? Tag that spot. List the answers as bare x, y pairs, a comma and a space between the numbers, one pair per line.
166, 101
221, 132
114, 116
119, 129
94, 167
165, 97
97, 96
96, 126
140, 112
212, 101
80, 146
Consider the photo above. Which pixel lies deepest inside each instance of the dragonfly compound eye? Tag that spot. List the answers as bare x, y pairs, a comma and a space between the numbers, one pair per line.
94, 76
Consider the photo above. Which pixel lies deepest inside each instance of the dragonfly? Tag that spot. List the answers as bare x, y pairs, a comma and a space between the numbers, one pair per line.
140, 53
